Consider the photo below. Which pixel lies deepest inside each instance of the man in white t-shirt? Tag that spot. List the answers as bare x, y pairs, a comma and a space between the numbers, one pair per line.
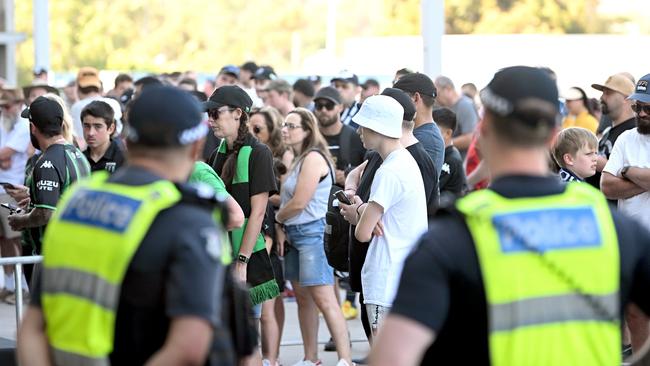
89, 88
396, 212
14, 144
626, 176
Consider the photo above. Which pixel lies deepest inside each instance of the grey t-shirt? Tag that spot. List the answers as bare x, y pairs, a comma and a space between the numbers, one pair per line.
466, 116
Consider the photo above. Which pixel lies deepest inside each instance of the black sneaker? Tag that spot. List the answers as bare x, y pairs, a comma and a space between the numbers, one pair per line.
330, 346
627, 351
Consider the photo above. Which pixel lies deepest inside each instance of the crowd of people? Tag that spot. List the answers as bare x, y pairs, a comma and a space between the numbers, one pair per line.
431, 203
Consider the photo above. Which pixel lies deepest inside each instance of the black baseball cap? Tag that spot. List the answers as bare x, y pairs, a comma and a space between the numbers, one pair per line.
265, 73
403, 99
165, 116
641, 91
230, 95
46, 114
304, 86
330, 93
513, 85
416, 83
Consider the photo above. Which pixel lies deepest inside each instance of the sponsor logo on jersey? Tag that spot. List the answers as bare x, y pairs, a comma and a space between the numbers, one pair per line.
46, 185
47, 165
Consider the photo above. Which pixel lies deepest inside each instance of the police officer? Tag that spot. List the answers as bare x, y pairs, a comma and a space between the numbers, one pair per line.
131, 269
530, 271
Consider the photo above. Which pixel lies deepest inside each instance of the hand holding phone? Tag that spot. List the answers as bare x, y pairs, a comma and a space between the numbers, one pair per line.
6, 185
12, 208
342, 197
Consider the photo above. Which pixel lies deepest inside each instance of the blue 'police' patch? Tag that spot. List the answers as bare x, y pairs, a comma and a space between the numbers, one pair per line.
548, 229
108, 211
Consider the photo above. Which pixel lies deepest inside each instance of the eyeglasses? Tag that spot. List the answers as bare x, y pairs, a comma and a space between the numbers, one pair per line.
215, 113
329, 106
290, 126
641, 107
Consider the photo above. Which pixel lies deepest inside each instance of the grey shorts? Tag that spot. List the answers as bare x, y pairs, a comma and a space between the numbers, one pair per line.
5, 229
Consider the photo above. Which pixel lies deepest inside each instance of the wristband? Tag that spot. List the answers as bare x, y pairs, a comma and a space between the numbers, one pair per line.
242, 258
358, 213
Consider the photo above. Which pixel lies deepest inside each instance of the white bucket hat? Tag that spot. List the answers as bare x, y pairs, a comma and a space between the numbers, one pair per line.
381, 114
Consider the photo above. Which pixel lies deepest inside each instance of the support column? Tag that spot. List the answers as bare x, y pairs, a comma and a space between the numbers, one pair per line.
433, 27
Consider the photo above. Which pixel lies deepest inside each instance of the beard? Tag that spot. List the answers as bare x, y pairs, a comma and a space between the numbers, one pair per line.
8, 122
643, 125
34, 141
604, 108
325, 120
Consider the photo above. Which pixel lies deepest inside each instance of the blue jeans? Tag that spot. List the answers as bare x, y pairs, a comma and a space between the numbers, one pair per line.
306, 262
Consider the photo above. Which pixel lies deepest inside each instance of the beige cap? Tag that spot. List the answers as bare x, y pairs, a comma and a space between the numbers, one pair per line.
620, 82
88, 76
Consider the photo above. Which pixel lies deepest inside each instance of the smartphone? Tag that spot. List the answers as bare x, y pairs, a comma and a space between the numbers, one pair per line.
342, 197
7, 185
12, 208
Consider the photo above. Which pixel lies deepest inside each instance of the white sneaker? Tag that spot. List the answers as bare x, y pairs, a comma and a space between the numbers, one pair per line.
345, 363
308, 363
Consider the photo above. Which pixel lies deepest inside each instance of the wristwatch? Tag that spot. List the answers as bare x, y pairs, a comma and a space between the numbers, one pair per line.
242, 258
624, 171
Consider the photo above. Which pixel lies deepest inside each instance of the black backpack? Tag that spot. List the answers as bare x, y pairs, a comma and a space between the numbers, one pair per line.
336, 228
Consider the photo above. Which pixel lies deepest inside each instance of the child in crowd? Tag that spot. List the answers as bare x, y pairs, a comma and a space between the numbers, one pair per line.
452, 175
575, 151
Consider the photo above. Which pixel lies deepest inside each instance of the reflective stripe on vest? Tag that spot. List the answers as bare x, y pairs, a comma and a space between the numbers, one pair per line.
71, 359
88, 246
536, 316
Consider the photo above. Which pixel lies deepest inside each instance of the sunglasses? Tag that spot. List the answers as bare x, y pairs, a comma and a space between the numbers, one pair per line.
329, 106
290, 126
215, 113
638, 108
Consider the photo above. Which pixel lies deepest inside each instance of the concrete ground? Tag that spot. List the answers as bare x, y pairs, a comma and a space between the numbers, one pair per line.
291, 350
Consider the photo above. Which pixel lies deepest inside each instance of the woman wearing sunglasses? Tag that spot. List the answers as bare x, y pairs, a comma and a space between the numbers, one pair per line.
264, 123
305, 194
246, 167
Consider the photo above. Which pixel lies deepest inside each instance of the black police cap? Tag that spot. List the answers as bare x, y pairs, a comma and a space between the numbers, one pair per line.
165, 116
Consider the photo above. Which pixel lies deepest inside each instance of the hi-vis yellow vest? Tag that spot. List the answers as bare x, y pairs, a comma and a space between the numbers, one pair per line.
88, 246
535, 314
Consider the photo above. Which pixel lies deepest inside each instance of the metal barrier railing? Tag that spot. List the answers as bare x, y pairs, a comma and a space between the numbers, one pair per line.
18, 262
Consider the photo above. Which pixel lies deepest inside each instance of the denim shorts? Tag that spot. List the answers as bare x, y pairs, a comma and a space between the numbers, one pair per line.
306, 262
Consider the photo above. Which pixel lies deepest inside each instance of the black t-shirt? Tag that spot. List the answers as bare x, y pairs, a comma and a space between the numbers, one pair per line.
442, 287
171, 274
53, 172
346, 148
260, 170
429, 175
452, 176
112, 160
606, 144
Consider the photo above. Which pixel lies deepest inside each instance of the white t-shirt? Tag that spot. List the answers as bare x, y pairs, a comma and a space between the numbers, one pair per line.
399, 189
75, 112
18, 140
632, 149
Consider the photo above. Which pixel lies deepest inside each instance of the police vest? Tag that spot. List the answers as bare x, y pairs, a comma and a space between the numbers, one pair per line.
88, 246
550, 267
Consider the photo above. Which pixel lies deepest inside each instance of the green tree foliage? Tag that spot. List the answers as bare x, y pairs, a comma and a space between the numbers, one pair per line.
203, 35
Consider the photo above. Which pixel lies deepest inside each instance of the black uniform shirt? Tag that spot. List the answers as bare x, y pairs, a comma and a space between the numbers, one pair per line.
112, 160
172, 274
442, 287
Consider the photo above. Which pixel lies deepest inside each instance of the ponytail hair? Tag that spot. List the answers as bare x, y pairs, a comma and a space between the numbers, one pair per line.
229, 167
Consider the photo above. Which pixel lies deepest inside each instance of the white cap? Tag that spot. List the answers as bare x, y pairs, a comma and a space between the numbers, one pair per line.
381, 114
572, 94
